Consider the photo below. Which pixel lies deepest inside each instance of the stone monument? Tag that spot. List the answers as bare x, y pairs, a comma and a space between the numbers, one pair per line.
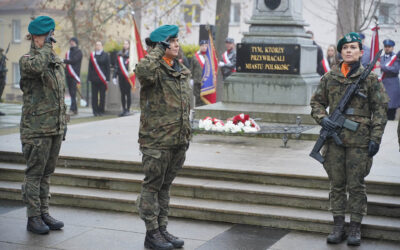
276, 67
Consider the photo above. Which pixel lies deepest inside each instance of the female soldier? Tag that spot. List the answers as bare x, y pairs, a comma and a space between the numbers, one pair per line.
42, 122
348, 164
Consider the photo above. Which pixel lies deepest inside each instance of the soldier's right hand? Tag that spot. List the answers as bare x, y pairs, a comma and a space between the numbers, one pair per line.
328, 124
165, 43
49, 38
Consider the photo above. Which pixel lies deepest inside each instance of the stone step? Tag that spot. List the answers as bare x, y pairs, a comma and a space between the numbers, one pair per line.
375, 186
381, 205
377, 227
265, 112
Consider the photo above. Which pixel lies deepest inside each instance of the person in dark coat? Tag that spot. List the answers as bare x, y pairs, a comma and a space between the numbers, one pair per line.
390, 66
3, 71
123, 78
227, 63
73, 60
320, 55
99, 75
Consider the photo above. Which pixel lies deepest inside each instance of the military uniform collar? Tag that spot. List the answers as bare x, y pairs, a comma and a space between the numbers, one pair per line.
336, 71
172, 71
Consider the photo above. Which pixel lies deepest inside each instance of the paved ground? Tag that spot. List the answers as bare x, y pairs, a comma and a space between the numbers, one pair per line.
97, 230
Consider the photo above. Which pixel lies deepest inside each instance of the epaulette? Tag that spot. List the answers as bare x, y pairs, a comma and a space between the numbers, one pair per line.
27, 55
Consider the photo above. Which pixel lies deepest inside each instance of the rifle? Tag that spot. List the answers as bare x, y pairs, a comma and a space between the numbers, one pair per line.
337, 115
3, 61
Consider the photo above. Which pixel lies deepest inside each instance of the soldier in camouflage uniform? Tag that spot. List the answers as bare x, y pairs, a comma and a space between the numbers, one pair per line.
164, 132
349, 164
42, 122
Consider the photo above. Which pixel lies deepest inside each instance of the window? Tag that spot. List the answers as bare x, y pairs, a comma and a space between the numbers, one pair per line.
16, 31
235, 13
16, 75
386, 13
191, 13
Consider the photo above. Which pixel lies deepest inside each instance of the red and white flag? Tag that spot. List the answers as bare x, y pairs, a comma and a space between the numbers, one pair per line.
71, 71
375, 45
136, 52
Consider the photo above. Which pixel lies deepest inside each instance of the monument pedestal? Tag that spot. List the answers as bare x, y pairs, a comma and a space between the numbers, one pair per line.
276, 68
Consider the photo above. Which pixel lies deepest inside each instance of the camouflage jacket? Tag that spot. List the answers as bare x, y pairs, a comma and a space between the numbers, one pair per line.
164, 102
369, 112
42, 83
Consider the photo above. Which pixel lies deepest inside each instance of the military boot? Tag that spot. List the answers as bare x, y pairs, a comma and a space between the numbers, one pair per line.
51, 222
338, 233
175, 241
154, 240
354, 238
36, 225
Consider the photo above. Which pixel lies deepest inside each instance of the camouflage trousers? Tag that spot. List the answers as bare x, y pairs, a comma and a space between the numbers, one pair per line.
346, 168
41, 156
160, 168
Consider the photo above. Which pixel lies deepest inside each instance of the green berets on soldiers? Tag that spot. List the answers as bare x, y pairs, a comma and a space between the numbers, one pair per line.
164, 132
42, 122
347, 165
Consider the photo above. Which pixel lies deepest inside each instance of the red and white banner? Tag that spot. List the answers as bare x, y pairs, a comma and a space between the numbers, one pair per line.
374, 45
226, 60
136, 52
71, 71
200, 59
97, 68
390, 63
124, 71
325, 65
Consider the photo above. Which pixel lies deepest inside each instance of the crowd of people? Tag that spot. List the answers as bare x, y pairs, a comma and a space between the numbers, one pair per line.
165, 130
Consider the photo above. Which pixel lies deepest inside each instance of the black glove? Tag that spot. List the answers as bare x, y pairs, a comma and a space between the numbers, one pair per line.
49, 38
398, 55
373, 148
165, 43
328, 124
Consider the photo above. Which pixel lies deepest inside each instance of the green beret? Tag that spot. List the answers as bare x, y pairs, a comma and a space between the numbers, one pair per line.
162, 32
41, 25
348, 38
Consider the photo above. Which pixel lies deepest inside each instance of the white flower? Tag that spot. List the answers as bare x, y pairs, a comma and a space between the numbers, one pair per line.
207, 126
247, 123
201, 124
240, 124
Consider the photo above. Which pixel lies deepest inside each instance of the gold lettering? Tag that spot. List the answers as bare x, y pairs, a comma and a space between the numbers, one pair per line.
253, 66
274, 50
256, 49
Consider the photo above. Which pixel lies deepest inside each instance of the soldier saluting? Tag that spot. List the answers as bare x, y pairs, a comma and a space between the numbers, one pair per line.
42, 122
348, 164
164, 132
